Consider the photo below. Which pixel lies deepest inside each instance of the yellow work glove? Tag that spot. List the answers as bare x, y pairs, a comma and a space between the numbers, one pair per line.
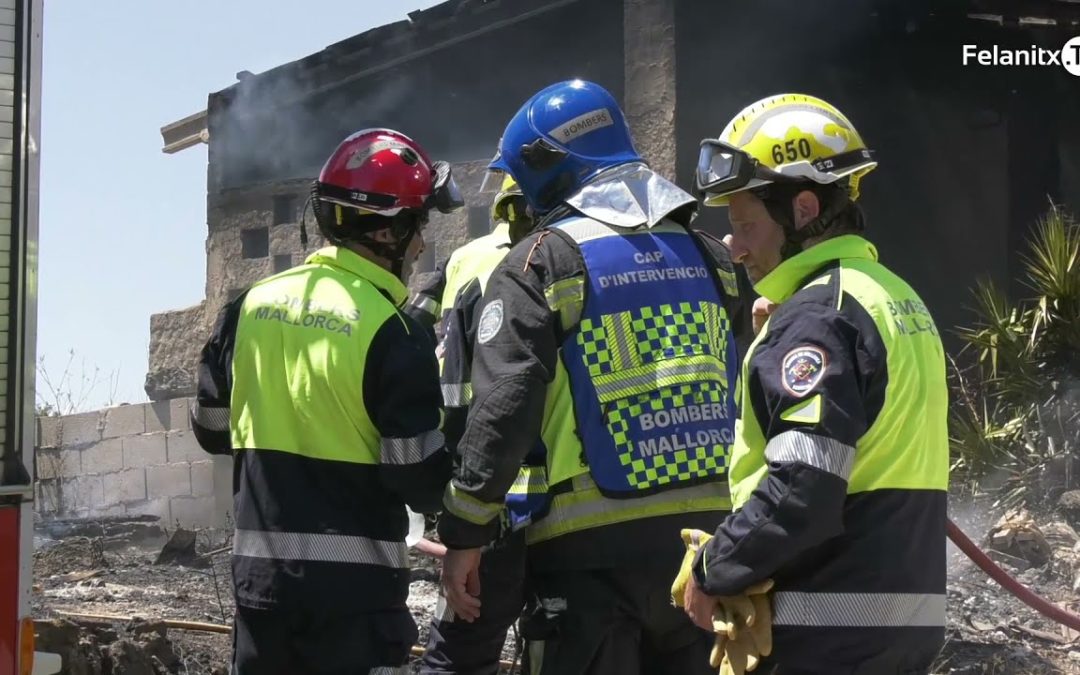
733, 656
743, 627
742, 623
694, 540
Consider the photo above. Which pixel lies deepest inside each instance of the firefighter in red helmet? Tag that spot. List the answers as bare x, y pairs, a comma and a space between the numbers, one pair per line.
328, 397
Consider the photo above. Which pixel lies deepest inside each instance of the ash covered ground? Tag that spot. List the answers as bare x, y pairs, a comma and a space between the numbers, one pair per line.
87, 572
91, 578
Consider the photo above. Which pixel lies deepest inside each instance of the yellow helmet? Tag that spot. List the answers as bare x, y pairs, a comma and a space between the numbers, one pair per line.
502, 208
783, 138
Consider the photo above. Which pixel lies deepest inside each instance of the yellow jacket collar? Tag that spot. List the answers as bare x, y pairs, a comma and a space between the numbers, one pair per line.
353, 263
788, 277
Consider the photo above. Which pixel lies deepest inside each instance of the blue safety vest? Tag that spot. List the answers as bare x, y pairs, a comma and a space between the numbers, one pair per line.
647, 364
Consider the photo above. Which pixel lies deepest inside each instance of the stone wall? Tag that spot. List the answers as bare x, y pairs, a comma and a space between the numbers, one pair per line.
174, 350
131, 460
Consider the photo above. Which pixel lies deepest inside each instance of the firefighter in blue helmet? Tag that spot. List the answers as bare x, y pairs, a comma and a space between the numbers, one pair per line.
604, 360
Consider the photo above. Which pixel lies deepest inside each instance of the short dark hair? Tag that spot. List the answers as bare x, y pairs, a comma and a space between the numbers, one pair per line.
848, 219
844, 215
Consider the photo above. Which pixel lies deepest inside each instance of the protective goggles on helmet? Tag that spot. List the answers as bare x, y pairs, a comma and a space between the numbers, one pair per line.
445, 194
539, 155
722, 168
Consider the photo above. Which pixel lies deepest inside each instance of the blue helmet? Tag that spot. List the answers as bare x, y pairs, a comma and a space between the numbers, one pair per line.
563, 136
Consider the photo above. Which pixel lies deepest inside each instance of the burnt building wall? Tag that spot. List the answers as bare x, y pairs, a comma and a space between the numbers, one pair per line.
969, 155
449, 82
450, 79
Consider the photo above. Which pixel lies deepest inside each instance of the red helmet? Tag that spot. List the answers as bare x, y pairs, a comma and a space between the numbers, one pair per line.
384, 172
379, 178
378, 171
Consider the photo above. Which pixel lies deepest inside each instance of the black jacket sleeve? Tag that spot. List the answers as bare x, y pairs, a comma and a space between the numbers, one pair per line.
210, 413
460, 336
401, 391
514, 360
424, 305
815, 384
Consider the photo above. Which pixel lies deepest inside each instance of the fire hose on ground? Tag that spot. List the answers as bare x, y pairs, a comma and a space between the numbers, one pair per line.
1022, 593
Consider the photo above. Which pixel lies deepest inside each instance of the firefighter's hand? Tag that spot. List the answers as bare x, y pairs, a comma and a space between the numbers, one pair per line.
762, 309
461, 582
699, 607
743, 627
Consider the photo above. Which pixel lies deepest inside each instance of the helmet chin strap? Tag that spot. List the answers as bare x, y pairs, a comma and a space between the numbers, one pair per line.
779, 201
403, 227
394, 252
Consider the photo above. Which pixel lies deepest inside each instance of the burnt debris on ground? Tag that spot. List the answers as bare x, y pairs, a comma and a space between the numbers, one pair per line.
105, 605
103, 591
990, 631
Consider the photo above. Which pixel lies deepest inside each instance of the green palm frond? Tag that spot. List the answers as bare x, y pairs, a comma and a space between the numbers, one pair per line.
1053, 262
1015, 408
1052, 268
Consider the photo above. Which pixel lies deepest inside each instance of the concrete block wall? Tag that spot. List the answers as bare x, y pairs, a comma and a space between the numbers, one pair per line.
132, 459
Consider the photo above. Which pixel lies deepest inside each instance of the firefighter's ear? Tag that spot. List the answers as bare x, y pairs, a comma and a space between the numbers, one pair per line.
805, 207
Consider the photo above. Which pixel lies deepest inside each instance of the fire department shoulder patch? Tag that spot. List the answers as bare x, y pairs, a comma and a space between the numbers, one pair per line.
490, 321
803, 368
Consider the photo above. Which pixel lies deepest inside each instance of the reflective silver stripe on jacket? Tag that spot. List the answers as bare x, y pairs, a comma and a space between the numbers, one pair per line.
411, 450
584, 506
385, 670
819, 452
211, 419
566, 297
469, 508
314, 547
457, 395
425, 304
728, 281
858, 610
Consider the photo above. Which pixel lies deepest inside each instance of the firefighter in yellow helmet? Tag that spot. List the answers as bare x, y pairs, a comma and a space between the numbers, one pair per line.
840, 466
455, 646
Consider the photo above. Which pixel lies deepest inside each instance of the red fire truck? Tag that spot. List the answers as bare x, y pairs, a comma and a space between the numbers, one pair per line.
20, 106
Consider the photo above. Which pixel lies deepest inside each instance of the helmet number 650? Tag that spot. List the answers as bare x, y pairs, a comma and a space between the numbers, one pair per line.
791, 150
